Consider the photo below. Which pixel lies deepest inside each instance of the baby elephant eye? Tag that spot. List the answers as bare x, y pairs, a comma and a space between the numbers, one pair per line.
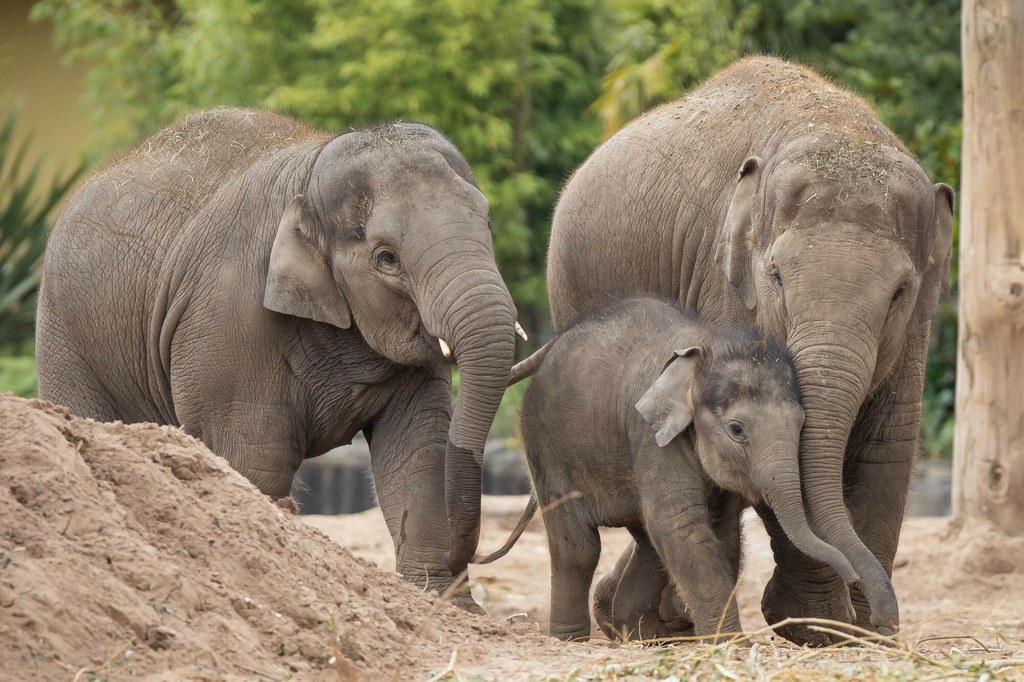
736, 431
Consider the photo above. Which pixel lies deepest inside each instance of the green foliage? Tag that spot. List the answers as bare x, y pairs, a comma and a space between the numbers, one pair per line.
18, 375
661, 48
136, 59
24, 227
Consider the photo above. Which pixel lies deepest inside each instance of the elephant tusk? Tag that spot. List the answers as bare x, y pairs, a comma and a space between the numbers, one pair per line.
445, 348
519, 330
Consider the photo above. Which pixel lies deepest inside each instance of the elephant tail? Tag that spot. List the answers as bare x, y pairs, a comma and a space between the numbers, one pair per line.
524, 520
529, 366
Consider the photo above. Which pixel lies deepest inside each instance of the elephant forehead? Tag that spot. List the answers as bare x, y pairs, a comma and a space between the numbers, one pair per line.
759, 380
875, 186
423, 176
836, 238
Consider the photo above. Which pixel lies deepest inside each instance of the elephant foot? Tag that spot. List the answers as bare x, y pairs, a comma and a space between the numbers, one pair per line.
674, 614
785, 599
461, 596
642, 622
457, 594
464, 600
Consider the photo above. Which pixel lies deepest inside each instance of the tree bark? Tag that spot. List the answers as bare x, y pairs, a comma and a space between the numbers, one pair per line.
989, 447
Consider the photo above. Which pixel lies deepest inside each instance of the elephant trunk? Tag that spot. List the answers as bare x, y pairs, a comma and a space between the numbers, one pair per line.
780, 485
474, 313
834, 378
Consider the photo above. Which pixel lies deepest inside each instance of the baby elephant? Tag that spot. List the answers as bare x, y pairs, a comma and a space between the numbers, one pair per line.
609, 416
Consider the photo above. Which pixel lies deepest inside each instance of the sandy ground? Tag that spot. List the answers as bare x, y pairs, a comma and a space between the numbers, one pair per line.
950, 580
133, 552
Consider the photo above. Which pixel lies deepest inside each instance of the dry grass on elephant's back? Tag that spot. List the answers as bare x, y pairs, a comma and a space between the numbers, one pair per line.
134, 551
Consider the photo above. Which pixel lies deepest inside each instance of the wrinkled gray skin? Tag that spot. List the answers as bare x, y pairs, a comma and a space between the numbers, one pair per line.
768, 197
668, 427
274, 290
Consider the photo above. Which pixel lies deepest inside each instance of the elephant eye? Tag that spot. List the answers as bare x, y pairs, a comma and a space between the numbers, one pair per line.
736, 432
386, 260
899, 293
776, 277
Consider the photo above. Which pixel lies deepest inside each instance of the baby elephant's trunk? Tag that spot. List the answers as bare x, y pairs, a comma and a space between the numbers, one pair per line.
781, 489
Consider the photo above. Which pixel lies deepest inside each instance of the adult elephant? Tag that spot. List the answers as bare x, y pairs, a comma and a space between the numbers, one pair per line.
274, 290
829, 236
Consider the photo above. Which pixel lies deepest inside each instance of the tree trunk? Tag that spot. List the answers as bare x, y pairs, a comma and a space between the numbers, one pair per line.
989, 449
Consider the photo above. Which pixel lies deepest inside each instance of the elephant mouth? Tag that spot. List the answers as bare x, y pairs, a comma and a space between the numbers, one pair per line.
426, 345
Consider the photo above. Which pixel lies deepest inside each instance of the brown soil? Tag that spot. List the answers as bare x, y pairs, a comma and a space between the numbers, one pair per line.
135, 551
132, 551
951, 579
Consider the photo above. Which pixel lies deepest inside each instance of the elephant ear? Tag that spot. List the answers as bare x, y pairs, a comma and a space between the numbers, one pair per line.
299, 279
666, 404
733, 253
942, 246
935, 285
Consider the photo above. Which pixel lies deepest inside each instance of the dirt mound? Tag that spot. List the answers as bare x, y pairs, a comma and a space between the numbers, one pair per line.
135, 551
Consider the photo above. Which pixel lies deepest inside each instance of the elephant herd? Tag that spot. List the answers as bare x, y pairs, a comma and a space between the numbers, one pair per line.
742, 284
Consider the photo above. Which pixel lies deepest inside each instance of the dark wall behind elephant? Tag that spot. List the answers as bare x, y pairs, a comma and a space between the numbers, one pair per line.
339, 482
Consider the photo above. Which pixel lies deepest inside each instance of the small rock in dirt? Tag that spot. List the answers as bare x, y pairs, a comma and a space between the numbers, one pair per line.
160, 637
288, 504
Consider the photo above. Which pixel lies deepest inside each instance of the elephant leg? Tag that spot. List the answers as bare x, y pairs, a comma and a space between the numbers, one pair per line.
85, 395
625, 593
672, 612
407, 457
642, 594
575, 549
604, 593
679, 525
258, 442
726, 524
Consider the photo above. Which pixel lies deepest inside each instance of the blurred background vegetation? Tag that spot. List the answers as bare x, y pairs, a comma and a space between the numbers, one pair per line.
525, 88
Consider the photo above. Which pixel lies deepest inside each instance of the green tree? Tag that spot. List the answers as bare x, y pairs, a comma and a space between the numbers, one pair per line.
660, 48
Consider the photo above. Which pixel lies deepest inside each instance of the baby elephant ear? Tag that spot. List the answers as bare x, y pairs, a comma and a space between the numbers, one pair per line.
299, 279
666, 404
